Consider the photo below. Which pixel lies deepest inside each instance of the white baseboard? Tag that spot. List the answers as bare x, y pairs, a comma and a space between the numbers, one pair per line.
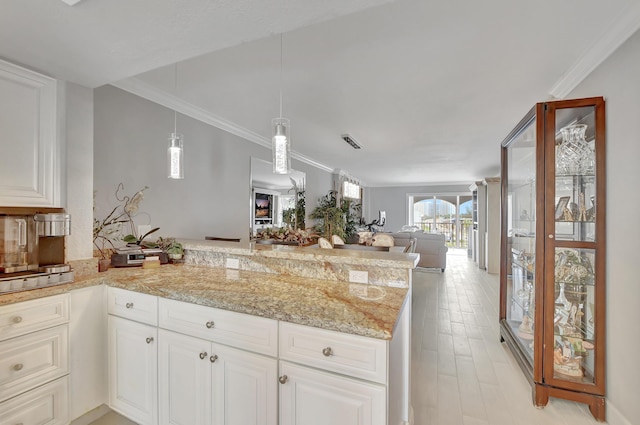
614, 417
92, 415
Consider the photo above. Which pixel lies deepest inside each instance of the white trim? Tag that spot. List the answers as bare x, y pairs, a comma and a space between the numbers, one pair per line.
614, 417
620, 31
424, 184
146, 91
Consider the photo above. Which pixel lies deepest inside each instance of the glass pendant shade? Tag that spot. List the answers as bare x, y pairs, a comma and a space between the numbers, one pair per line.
281, 146
175, 157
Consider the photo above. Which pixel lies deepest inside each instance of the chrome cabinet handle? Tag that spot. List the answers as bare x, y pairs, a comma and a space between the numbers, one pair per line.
283, 379
17, 319
327, 352
149, 340
18, 366
129, 305
210, 324
213, 358
203, 355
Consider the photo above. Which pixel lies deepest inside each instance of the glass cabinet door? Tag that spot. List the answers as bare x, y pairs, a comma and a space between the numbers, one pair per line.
521, 233
574, 231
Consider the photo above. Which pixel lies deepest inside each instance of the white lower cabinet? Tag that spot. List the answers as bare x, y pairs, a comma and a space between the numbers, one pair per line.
313, 397
34, 362
133, 370
204, 383
45, 405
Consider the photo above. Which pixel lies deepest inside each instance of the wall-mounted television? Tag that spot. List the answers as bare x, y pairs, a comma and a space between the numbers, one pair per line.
263, 207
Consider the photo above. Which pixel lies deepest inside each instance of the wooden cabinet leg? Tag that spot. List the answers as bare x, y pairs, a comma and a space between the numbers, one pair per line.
597, 408
540, 395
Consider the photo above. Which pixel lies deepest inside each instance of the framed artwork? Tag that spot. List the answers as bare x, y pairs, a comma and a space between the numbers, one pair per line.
560, 206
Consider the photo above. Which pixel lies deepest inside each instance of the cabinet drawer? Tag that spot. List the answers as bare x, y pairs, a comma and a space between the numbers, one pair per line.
28, 316
46, 405
226, 327
351, 355
133, 305
31, 360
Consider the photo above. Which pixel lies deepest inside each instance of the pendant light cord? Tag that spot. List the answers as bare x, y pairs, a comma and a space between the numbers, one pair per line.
175, 87
280, 75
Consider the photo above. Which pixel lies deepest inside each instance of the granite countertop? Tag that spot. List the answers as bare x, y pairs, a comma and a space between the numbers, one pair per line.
352, 308
308, 253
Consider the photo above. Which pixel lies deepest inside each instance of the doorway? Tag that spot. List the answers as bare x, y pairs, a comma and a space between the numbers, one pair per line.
449, 214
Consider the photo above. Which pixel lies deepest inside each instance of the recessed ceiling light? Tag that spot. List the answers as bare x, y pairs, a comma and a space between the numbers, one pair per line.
350, 140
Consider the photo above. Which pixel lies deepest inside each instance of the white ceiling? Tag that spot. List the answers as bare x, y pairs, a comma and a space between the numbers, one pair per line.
429, 88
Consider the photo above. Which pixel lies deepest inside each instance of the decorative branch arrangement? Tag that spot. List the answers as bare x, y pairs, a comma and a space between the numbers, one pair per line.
109, 229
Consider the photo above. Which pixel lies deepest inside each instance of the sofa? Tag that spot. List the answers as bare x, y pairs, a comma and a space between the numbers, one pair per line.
430, 246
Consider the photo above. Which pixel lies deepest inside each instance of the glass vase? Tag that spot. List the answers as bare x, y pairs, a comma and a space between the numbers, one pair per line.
574, 156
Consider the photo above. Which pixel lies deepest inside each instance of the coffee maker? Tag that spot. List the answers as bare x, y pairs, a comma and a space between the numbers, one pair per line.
32, 244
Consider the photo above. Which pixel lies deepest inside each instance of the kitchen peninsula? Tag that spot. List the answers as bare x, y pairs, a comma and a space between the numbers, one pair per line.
284, 323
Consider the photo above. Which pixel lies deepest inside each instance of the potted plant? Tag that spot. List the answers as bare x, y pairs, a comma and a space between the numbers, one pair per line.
173, 248
333, 219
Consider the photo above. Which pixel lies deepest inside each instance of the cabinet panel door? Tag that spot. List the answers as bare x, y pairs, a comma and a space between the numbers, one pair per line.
45, 405
184, 381
245, 387
30, 162
311, 397
133, 372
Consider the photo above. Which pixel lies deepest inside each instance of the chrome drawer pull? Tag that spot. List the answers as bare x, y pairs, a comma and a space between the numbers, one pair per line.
17, 319
210, 324
129, 305
327, 351
283, 379
213, 358
149, 340
203, 355
18, 366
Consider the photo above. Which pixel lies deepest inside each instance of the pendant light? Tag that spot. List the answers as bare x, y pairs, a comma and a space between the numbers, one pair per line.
281, 142
175, 152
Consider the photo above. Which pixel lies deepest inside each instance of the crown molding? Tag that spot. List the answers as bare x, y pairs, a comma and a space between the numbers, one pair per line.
619, 32
146, 91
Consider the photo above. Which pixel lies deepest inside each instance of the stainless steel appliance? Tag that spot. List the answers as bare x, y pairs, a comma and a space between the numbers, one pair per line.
32, 240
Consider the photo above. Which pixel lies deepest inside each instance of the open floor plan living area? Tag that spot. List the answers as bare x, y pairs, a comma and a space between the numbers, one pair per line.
346, 212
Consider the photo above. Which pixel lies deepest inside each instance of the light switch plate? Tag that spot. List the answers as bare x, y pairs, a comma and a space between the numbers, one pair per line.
358, 276
233, 263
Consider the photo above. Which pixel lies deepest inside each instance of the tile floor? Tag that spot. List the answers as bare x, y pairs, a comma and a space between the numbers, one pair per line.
462, 374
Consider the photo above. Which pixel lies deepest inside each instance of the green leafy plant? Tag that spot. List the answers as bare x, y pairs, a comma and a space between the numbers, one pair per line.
172, 247
132, 239
333, 219
295, 217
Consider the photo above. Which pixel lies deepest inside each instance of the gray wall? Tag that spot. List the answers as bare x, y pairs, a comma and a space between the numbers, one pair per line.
617, 80
393, 200
130, 143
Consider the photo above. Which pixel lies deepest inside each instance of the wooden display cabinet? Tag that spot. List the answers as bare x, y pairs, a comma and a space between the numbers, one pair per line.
552, 278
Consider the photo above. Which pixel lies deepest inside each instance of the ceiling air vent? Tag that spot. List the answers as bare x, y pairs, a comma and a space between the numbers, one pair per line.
347, 138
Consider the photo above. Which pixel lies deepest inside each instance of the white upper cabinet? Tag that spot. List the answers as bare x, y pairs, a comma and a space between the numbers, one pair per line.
30, 162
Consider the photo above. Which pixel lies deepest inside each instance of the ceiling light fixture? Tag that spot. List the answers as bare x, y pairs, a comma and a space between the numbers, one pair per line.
350, 140
175, 152
281, 143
